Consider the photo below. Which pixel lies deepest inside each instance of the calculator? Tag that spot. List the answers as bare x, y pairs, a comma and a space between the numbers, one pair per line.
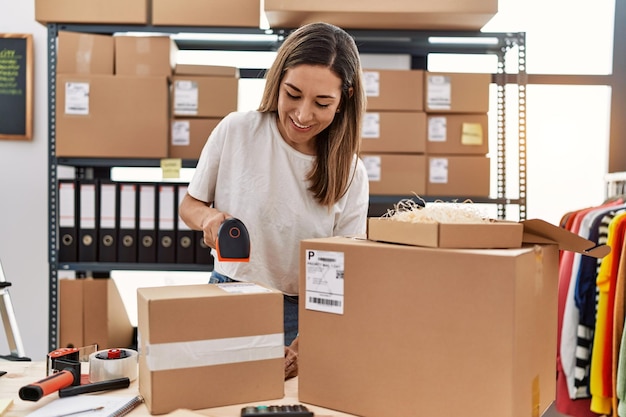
294, 410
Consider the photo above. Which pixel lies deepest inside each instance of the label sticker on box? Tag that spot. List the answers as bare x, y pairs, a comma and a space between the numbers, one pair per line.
439, 94
324, 281
371, 82
437, 129
372, 166
77, 98
370, 128
438, 171
242, 288
186, 97
181, 135
472, 134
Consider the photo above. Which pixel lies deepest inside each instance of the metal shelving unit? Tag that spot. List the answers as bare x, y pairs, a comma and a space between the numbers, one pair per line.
417, 44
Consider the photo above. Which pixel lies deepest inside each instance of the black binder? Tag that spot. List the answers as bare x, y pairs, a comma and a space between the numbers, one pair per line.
166, 235
146, 235
68, 212
127, 216
203, 252
87, 236
185, 240
107, 222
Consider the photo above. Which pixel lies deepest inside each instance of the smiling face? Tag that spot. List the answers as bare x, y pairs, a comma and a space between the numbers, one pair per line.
308, 99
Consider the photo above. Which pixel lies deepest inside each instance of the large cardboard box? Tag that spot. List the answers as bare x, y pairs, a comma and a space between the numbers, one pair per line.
204, 96
85, 53
203, 346
189, 136
397, 330
373, 14
92, 11
394, 132
457, 134
101, 116
396, 174
398, 90
91, 311
239, 13
147, 55
458, 176
200, 69
449, 92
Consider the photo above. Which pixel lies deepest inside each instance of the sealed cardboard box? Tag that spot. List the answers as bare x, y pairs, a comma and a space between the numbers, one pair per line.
189, 136
457, 134
190, 358
215, 70
93, 11
415, 341
145, 55
395, 174
100, 116
204, 96
458, 176
398, 90
84, 53
456, 92
372, 14
239, 13
394, 132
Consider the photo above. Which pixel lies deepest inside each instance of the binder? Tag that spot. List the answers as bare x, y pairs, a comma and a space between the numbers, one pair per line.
107, 222
146, 235
185, 239
203, 252
127, 215
68, 246
166, 247
87, 238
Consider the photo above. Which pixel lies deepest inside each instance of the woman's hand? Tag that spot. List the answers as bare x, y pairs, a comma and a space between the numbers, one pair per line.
291, 359
211, 224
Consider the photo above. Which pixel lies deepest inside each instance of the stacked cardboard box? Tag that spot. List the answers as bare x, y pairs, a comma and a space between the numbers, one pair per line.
457, 142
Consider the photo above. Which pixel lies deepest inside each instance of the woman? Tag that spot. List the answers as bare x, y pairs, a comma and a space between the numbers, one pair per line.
290, 170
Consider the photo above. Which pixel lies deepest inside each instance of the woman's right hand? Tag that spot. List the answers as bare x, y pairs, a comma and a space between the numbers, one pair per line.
210, 226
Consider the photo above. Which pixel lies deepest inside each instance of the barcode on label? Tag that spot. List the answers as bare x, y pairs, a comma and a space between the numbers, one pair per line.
325, 301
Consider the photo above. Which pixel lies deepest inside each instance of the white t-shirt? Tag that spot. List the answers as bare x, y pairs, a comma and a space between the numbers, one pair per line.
250, 172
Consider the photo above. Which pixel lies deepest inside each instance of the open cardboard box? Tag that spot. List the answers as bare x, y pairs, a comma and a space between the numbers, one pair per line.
493, 235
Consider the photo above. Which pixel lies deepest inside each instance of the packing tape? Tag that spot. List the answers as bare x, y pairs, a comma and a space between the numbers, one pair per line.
113, 363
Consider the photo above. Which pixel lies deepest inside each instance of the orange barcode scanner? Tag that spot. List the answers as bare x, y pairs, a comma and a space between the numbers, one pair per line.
233, 241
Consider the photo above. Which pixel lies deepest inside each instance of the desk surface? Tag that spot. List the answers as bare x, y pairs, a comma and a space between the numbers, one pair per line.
23, 373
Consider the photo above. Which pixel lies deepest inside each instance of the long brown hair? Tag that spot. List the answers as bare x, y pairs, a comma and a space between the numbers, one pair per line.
339, 144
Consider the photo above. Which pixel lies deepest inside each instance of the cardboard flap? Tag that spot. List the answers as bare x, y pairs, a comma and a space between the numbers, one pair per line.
540, 231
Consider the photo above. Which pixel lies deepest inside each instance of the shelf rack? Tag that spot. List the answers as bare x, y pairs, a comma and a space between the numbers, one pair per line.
416, 43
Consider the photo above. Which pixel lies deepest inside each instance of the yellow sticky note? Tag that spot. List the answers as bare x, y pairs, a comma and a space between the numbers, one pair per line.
472, 134
171, 167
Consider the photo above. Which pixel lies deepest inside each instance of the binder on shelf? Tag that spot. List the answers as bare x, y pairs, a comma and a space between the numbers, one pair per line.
185, 240
87, 233
203, 252
127, 237
166, 247
68, 246
146, 235
107, 222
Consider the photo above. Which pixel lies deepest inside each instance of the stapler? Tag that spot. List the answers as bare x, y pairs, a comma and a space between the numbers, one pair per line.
233, 241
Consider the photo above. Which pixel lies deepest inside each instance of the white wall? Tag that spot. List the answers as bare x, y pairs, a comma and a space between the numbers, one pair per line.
24, 197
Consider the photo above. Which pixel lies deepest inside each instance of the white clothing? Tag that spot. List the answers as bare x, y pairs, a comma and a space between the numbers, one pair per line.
248, 171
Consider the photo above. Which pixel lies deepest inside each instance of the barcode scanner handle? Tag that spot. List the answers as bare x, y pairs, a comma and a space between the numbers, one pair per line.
53, 383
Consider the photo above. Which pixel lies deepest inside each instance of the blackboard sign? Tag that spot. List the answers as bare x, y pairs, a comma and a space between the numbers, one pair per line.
16, 84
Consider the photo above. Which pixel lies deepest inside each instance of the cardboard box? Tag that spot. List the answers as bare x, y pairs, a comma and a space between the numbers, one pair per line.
214, 70
488, 235
145, 55
93, 11
100, 116
396, 174
398, 90
458, 176
408, 330
456, 92
457, 134
372, 14
190, 358
239, 13
84, 53
189, 136
394, 132
91, 311
204, 96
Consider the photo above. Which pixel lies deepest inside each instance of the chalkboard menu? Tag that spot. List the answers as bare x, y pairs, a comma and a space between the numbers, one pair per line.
16, 84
